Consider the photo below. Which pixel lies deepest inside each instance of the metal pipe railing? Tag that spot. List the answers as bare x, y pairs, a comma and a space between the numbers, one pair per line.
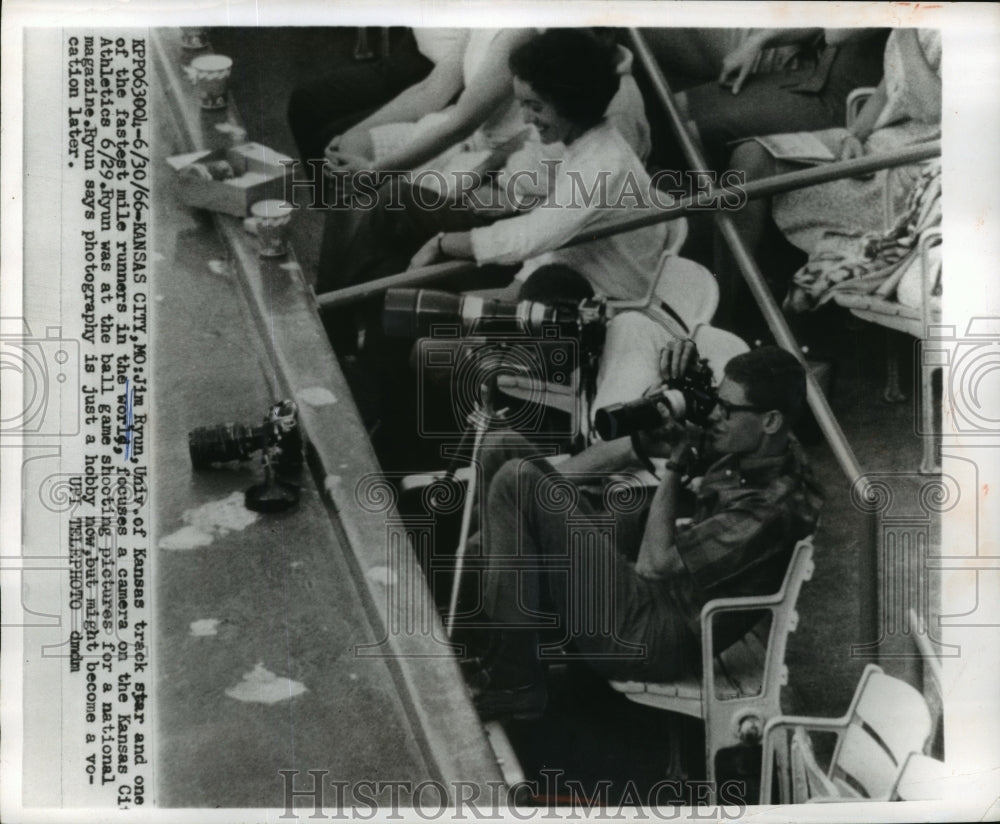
766, 187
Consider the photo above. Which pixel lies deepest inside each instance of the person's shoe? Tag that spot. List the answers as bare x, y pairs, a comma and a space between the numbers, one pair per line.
520, 703
476, 674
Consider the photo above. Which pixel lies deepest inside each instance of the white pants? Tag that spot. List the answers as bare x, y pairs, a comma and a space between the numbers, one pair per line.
630, 363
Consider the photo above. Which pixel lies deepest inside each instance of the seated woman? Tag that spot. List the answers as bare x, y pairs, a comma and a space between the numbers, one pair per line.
579, 173
905, 109
419, 125
780, 80
486, 119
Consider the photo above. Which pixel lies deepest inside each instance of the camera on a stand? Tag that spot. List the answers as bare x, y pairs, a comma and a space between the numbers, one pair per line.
483, 348
535, 354
276, 442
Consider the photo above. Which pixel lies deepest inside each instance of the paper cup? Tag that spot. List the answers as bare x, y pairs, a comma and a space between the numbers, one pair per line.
210, 75
272, 219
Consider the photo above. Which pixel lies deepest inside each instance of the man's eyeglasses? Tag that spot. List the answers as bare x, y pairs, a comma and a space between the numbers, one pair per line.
728, 408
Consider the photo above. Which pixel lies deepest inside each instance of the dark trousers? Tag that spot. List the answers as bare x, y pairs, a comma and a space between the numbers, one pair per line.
557, 555
776, 102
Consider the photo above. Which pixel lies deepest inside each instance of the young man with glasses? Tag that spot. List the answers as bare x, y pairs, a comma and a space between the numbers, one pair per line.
607, 569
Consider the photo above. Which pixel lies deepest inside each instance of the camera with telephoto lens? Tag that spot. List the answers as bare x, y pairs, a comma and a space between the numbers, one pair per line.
531, 351
278, 437
415, 313
691, 397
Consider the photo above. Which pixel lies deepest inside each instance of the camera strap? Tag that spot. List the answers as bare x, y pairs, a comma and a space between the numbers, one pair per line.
665, 307
640, 453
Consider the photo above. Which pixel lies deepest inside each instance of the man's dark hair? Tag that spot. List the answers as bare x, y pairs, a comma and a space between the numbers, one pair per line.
772, 379
572, 70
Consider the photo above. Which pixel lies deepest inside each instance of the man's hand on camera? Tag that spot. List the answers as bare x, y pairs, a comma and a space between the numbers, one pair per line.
676, 358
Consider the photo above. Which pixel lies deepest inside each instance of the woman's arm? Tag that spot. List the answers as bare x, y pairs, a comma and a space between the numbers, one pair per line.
853, 143
431, 94
489, 89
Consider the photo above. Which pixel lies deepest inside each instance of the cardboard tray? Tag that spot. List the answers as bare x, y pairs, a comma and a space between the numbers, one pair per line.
259, 175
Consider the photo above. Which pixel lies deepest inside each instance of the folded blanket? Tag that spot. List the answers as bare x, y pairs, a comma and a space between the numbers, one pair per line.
886, 264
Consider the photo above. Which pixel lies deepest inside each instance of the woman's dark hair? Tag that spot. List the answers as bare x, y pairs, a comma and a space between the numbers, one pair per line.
772, 379
572, 70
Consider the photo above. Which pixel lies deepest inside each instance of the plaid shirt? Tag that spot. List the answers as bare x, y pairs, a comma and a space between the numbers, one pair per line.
749, 515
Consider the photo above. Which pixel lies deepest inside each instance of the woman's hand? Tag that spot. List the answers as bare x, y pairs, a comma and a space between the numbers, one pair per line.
339, 161
737, 65
427, 254
354, 143
851, 147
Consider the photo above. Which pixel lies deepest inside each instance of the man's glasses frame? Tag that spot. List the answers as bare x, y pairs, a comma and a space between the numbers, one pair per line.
728, 408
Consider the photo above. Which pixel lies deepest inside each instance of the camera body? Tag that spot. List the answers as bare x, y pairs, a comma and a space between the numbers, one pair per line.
692, 397
278, 437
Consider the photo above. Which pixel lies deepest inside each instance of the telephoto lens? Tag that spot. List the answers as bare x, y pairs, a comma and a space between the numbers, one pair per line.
413, 313
641, 415
688, 398
224, 442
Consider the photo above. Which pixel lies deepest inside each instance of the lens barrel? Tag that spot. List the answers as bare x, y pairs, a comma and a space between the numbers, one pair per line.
413, 313
224, 442
410, 313
641, 415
